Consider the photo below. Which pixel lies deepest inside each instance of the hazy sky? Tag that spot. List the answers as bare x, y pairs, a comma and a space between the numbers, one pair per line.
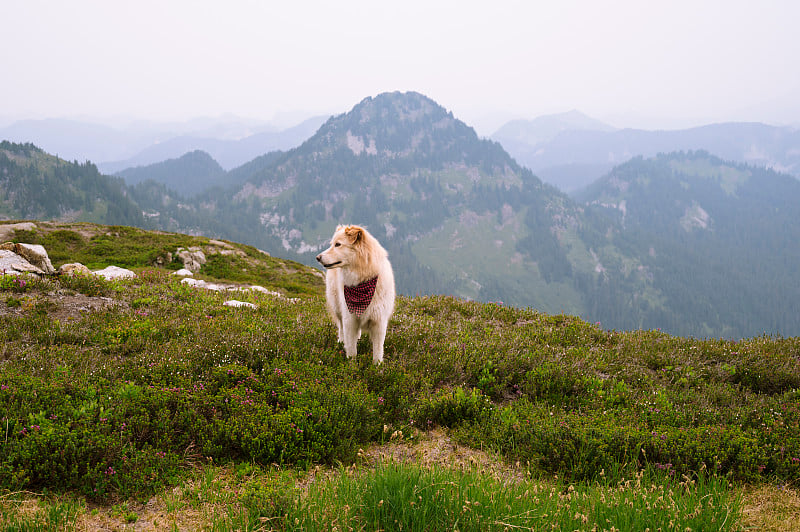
635, 63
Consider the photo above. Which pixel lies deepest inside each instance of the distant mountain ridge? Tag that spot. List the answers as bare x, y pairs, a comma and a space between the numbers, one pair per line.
229, 153
232, 141
545, 128
576, 157
460, 216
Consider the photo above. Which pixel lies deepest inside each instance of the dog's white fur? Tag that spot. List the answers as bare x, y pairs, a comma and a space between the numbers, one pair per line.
356, 256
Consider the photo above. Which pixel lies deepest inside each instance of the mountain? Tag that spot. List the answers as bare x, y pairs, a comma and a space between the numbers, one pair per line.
77, 140
36, 185
401, 165
524, 133
460, 216
229, 153
194, 173
576, 157
187, 175
456, 212
722, 239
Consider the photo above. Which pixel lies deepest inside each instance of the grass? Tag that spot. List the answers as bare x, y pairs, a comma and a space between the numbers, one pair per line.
164, 395
21, 512
407, 497
389, 495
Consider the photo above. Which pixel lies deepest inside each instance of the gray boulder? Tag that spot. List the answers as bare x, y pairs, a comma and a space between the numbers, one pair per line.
192, 258
74, 268
13, 264
33, 253
115, 272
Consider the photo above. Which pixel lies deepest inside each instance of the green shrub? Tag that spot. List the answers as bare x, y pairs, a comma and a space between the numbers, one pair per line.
89, 285
15, 283
449, 408
125, 438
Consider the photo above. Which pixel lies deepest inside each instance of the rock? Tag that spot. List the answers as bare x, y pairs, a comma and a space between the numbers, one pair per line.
13, 264
161, 261
199, 283
192, 258
235, 303
220, 244
256, 288
33, 253
115, 272
7, 229
74, 268
183, 272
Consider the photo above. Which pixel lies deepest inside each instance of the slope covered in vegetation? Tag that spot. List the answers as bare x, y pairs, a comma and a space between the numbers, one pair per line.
117, 402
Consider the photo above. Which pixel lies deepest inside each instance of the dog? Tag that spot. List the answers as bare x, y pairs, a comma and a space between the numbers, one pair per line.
359, 288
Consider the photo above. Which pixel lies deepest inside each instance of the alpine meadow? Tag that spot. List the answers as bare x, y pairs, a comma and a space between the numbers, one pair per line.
622, 357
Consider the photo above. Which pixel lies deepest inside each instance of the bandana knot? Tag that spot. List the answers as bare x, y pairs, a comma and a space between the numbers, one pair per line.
359, 297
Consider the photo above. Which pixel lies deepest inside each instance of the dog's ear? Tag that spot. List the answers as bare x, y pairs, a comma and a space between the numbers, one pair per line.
354, 233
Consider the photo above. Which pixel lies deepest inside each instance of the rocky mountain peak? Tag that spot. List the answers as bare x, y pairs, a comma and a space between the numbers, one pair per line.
393, 124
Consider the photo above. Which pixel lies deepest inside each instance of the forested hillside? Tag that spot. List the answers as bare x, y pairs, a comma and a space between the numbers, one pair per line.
36, 185
727, 232
187, 175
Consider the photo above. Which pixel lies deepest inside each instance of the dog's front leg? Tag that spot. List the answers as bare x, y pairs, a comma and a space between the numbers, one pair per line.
351, 333
378, 335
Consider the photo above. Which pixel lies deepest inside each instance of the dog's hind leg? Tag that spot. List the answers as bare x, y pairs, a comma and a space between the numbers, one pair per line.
351, 332
339, 329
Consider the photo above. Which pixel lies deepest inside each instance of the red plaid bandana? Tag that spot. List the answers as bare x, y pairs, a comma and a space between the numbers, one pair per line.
359, 297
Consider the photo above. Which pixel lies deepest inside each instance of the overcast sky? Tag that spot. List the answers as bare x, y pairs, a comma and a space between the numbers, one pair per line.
632, 63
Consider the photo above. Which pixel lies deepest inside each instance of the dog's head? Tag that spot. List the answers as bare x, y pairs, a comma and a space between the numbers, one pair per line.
346, 247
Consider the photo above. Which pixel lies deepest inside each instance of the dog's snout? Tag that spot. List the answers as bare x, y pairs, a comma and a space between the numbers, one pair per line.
319, 258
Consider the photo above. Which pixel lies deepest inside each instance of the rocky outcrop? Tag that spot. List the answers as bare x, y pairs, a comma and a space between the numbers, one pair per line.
192, 258
20, 259
34, 254
216, 287
16, 259
13, 264
7, 230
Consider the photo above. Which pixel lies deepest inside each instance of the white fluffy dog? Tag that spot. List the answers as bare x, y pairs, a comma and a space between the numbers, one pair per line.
359, 287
